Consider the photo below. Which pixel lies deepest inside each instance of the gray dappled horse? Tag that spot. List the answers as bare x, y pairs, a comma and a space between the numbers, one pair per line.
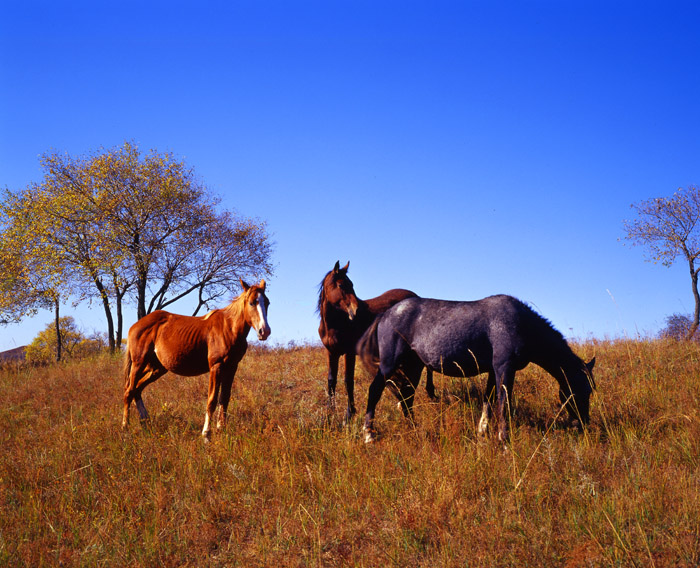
498, 335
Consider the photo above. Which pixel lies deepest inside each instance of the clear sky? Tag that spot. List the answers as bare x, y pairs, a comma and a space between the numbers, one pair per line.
458, 149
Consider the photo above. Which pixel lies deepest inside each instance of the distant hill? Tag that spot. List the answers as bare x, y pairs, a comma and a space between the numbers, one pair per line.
16, 354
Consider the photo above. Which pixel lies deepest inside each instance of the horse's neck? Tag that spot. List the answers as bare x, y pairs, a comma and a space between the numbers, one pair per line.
362, 306
331, 313
559, 360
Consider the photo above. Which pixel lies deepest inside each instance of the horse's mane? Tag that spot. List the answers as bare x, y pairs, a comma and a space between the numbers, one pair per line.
540, 322
542, 327
321, 294
235, 307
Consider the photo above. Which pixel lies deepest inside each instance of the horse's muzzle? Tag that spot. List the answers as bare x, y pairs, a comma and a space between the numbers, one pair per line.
264, 333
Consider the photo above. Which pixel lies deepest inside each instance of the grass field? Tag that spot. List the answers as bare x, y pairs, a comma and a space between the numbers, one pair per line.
287, 485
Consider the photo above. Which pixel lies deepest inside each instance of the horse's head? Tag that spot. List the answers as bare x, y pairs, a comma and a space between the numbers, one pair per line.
338, 290
255, 308
581, 386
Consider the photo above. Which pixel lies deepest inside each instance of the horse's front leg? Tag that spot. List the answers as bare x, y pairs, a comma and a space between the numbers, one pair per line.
332, 377
214, 386
504, 394
487, 405
430, 385
225, 395
350, 385
375, 393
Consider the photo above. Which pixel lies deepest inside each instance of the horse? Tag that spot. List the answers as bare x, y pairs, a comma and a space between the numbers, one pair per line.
498, 335
344, 318
189, 346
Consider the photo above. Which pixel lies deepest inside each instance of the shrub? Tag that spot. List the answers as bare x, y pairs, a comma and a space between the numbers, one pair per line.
75, 345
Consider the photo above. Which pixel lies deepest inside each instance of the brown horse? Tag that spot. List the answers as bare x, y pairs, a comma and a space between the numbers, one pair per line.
189, 346
344, 318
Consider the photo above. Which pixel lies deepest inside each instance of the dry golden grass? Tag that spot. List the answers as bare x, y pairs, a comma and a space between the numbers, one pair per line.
287, 485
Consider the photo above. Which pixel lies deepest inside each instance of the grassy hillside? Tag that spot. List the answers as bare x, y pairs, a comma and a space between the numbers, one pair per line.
285, 485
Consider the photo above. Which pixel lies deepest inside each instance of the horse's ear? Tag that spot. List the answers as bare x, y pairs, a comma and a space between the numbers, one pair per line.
336, 268
245, 286
262, 284
345, 268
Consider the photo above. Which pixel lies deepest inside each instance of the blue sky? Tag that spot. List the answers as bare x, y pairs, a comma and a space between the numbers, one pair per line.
459, 149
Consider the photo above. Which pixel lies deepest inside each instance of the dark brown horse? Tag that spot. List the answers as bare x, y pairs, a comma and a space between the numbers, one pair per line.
189, 346
344, 318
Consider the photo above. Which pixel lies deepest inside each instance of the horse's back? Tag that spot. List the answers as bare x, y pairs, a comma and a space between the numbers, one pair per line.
179, 342
455, 337
383, 302
144, 330
158, 322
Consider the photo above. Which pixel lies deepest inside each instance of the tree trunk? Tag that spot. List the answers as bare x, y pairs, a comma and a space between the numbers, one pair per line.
119, 293
141, 284
120, 323
108, 314
59, 342
696, 295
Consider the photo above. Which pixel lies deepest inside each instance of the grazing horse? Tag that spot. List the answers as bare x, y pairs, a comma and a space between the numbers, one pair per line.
189, 346
344, 318
498, 335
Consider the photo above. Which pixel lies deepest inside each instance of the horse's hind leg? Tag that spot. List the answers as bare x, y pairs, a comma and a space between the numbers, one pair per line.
405, 388
407, 394
127, 387
375, 393
139, 377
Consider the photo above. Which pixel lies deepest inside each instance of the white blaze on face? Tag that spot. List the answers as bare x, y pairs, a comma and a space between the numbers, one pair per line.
263, 327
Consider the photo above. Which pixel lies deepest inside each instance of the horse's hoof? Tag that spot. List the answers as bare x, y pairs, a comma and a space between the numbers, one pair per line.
348, 418
331, 402
370, 435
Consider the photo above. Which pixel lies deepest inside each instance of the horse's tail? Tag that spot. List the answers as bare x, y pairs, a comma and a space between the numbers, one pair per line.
367, 347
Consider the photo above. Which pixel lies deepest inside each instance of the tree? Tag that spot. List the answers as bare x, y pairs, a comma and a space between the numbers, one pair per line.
16, 299
669, 228
30, 278
677, 327
141, 228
